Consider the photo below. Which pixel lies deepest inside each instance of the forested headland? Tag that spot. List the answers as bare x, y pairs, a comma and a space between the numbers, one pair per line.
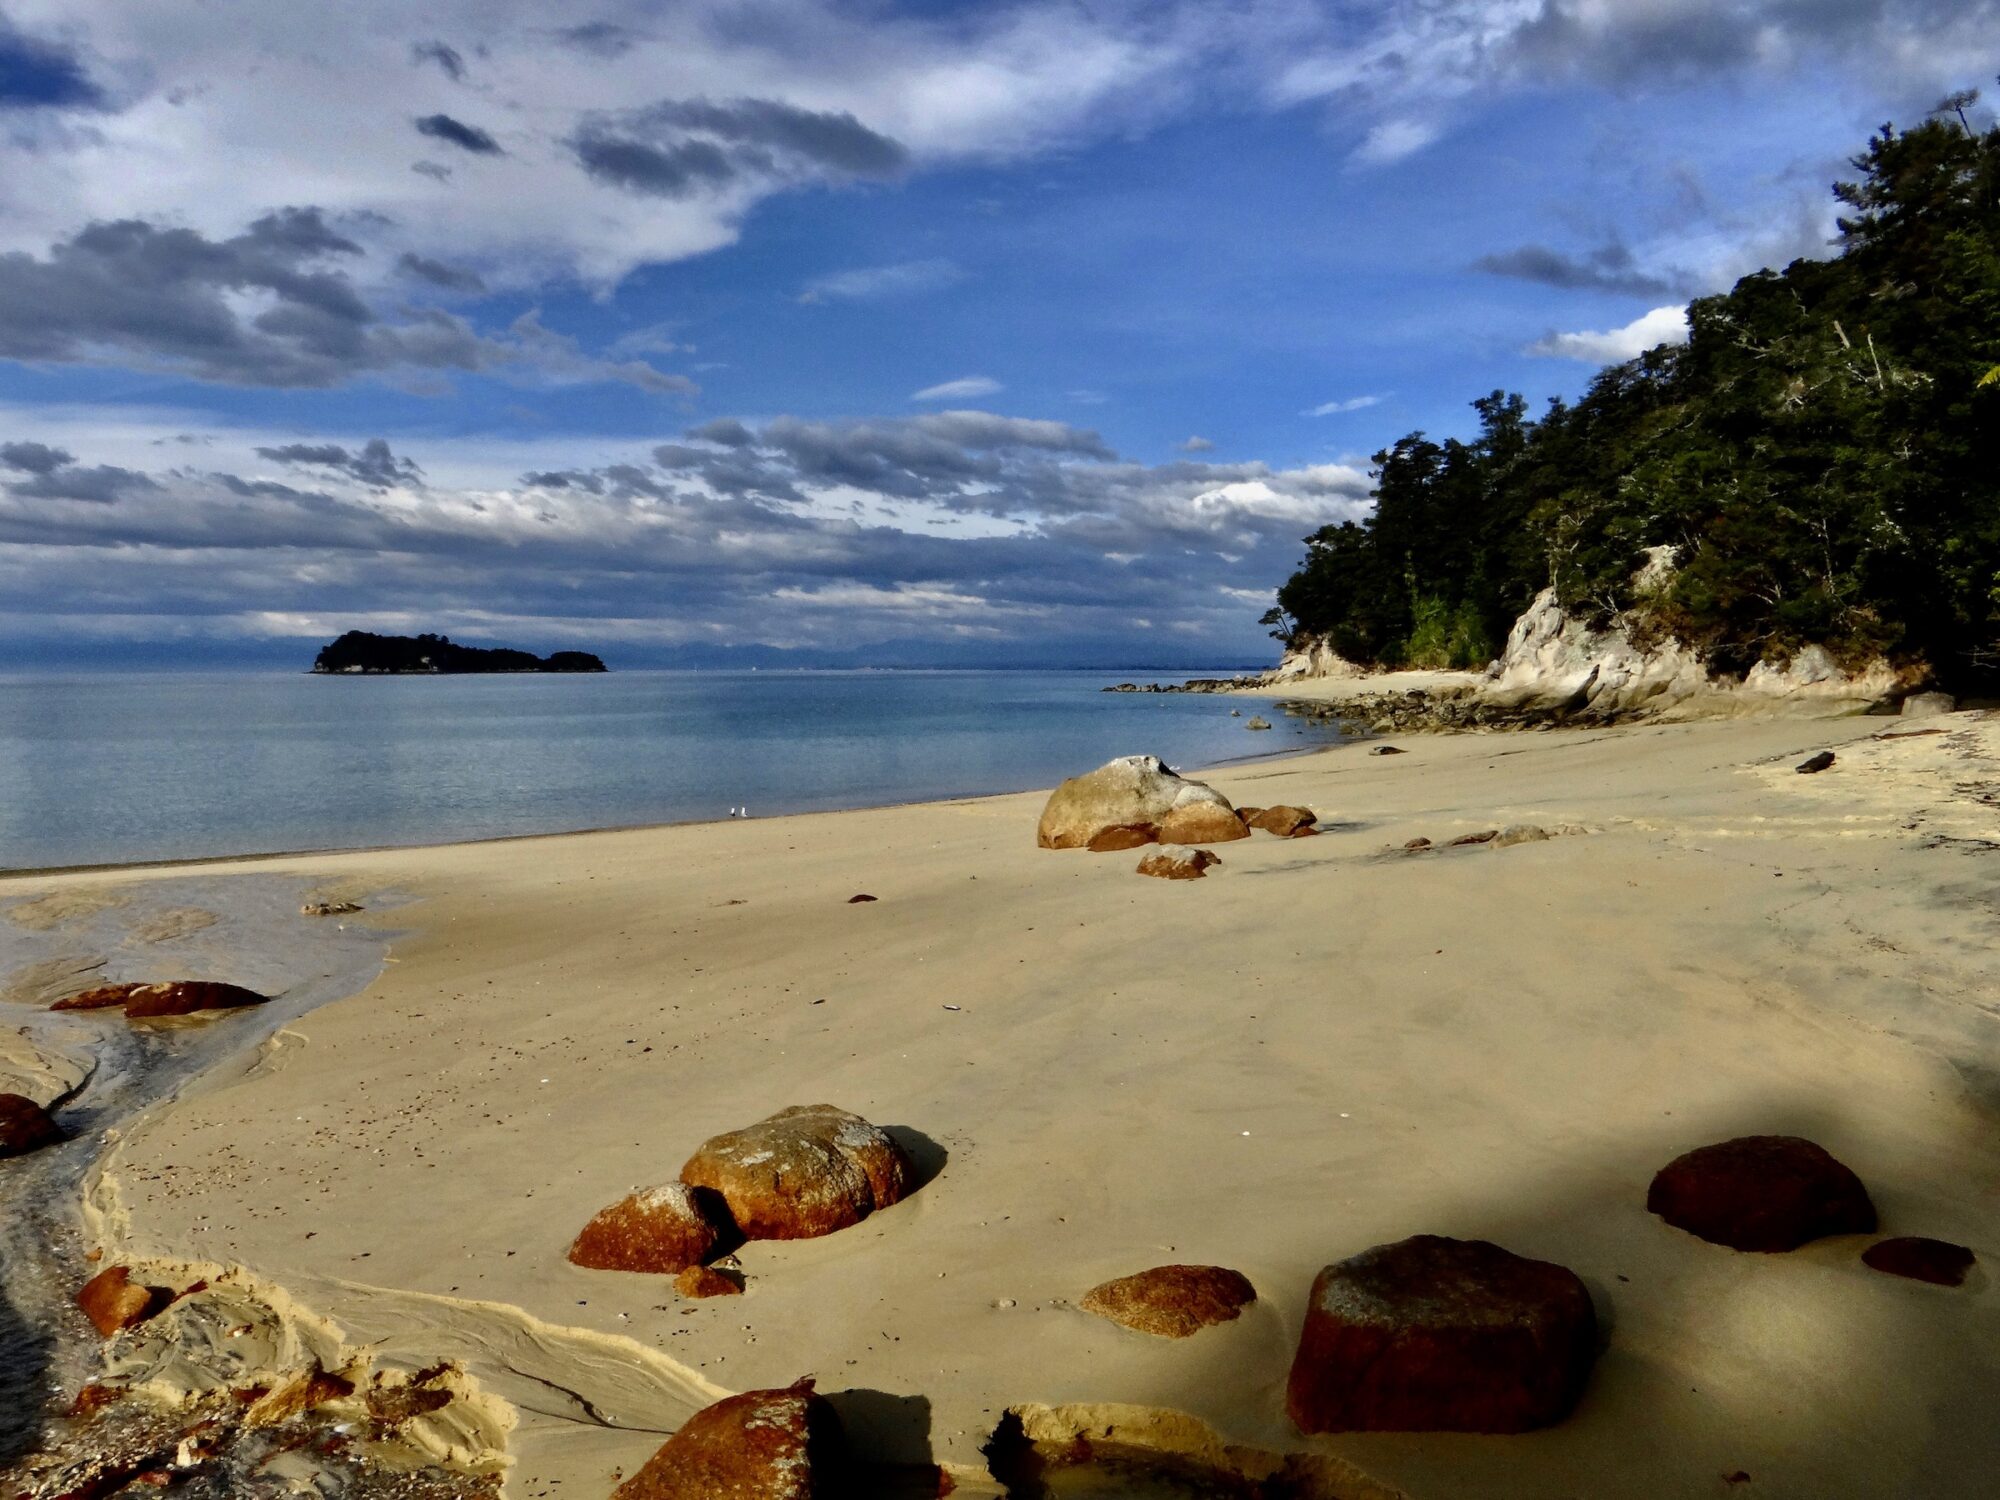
1822, 456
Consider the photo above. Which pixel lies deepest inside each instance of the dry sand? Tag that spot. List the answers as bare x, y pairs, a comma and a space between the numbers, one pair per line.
1320, 1047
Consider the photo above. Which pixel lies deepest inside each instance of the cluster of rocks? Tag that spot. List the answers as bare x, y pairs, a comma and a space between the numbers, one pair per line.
1138, 800
1192, 685
1491, 838
177, 997
804, 1172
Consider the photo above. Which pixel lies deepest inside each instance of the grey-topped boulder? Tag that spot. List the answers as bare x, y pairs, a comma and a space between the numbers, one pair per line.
802, 1173
1137, 793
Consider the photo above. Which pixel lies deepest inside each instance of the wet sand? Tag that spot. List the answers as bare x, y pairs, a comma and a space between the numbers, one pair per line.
1322, 1046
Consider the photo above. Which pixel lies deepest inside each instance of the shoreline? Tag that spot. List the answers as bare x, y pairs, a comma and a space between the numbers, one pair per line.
1324, 1045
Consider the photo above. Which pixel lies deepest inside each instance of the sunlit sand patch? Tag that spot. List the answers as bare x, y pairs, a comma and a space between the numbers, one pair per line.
43, 913
52, 979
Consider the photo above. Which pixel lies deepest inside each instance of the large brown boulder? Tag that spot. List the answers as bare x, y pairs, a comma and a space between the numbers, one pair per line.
1172, 1301
761, 1445
1761, 1192
1136, 791
661, 1229
25, 1126
804, 1172
1441, 1335
178, 997
1285, 821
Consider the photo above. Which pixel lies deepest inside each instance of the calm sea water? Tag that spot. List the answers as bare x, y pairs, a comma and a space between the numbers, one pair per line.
103, 768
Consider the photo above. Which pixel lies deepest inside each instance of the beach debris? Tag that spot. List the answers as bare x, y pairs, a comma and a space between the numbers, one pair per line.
859, 900
1178, 864
1260, 722
1486, 836
113, 1301
1137, 791
1765, 1193
1937, 1261
1286, 822
1387, 750
661, 1230
177, 997
706, 1281
1172, 1301
760, 1445
1124, 836
1441, 1335
1929, 705
329, 908
803, 1172
1521, 833
25, 1126
1815, 764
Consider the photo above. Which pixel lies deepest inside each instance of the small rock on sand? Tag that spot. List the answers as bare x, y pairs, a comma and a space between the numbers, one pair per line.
1416, 846
1813, 765
760, 1445
662, 1230
861, 900
1286, 822
1937, 1261
1520, 833
25, 1126
113, 1301
1761, 1192
1434, 1335
1172, 1301
802, 1173
1486, 836
329, 908
1385, 750
706, 1281
1178, 864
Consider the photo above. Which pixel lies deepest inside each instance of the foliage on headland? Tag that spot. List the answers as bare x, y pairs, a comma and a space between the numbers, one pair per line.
363, 652
1822, 456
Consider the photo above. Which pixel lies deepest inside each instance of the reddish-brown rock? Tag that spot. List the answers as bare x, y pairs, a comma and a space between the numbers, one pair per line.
1178, 864
804, 1172
1937, 1261
113, 1301
1284, 821
178, 997
25, 1126
1202, 823
1123, 836
706, 1281
1485, 836
1761, 1192
661, 1230
1172, 1301
1441, 1335
761, 1445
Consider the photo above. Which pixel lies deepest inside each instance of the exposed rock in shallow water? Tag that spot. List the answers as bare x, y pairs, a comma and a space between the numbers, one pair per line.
1433, 1334
1258, 722
179, 997
1172, 1301
1178, 864
1761, 1192
1937, 1261
113, 1301
25, 1126
1136, 791
662, 1230
760, 1445
802, 1173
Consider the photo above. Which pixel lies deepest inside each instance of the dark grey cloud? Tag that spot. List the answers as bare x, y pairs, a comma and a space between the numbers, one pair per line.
137, 294
374, 464
680, 147
39, 74
442, 127
438, 274
34, 458
727, 431
599, 38
1609, 268
444, 56
435, 170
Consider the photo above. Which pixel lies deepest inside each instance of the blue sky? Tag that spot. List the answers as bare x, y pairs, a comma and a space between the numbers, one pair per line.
1035, 331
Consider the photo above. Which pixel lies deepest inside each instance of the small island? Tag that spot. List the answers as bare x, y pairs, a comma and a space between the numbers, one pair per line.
362, 653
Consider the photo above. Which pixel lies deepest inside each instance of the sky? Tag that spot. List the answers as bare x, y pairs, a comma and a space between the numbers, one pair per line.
1015, 332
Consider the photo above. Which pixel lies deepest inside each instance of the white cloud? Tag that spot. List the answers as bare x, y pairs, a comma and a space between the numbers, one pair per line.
1663, 325
1392, 140
1337, 408
868, 283
965, 388
1196, 444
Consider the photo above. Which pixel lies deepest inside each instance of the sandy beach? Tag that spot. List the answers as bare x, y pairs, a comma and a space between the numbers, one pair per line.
1325, 1045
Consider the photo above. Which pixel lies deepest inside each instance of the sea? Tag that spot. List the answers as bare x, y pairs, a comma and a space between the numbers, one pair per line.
104, 768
